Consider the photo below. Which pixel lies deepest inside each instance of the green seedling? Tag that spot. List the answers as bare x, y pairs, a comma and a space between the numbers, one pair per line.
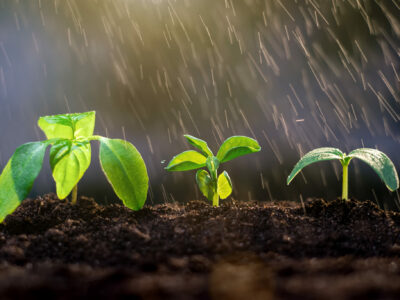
376, 159
210, 184
69, 136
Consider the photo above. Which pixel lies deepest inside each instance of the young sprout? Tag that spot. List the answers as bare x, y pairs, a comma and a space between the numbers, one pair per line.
210, 184
376, 159
69, 136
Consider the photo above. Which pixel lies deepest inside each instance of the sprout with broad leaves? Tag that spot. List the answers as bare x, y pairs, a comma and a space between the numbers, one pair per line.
210, 184
69, 136
376, 159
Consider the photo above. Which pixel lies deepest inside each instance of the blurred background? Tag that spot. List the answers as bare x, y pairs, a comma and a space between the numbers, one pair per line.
294, 74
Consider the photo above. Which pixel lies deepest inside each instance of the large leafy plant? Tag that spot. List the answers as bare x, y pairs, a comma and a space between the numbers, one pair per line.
69, 136
210, 184
376, 159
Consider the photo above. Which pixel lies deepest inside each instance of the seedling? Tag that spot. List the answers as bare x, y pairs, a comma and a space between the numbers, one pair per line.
376, 159
210, 184
69, 136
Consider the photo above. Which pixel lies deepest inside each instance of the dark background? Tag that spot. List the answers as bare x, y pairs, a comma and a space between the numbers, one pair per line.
295, 75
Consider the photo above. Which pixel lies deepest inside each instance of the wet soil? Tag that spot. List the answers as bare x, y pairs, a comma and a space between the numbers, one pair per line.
241, 250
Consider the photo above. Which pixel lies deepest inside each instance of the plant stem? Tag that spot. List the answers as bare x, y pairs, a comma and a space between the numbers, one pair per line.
345, 184
212, 164
213, 194
74, 195
215, 198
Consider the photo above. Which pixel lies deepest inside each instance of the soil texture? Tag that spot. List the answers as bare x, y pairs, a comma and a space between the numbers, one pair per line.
240, 250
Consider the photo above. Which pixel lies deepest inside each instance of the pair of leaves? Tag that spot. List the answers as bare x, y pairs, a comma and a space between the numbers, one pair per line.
68, 160
70, 156
206, 186
376, 159
120, 161
68, 126
232, 147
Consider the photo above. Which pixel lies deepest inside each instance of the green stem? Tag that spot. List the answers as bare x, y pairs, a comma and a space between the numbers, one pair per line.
345, 184
74, 195
215, 198
95, 138
212, 166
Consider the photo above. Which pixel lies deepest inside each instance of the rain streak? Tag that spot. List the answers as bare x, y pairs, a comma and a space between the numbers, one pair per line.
295, 75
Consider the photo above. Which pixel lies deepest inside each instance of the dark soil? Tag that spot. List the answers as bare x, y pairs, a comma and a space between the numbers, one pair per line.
241, 250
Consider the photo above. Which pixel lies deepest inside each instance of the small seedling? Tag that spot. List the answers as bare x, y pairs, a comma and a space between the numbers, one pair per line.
210, 184
69, 136
376, 159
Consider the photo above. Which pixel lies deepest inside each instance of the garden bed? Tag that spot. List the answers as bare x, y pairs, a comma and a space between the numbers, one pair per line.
240, 250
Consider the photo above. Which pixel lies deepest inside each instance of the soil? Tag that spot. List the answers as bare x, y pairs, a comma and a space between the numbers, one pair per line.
240, 250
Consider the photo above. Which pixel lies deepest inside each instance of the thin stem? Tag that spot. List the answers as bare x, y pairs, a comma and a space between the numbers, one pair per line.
215, 199
74, 195
212, 164
345, 184
95, 138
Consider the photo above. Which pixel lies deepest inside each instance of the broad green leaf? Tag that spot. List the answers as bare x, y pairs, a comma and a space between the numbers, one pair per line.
68, 126
313, 156
69, 160
236, 146
185, 161
59, 126
18, 176
381, 164
203, 180
224, 185
125, 170
199, 144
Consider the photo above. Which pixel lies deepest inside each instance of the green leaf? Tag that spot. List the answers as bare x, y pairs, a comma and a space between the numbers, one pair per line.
199, 144
125, 170
224, 185
69, 160
185, 161
18, 176
313, 156
84, 124
59, 126
236, 146
381, 164
204, 182
68, 126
